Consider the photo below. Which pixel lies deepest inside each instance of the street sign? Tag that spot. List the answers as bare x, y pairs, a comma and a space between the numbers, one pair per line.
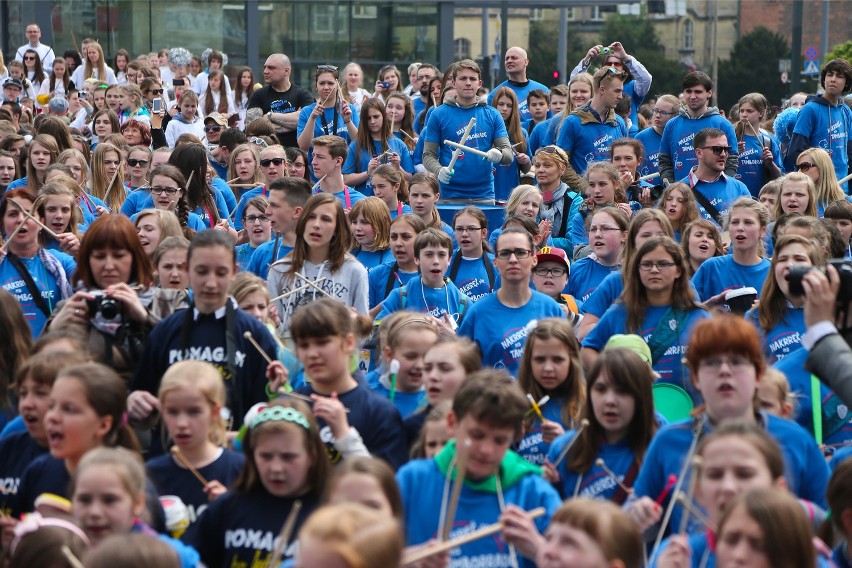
811, 68
811, 53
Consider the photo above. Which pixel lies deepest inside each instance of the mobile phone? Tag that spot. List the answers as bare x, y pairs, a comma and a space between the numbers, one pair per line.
385, 84
157, 105
84, 95
177, 82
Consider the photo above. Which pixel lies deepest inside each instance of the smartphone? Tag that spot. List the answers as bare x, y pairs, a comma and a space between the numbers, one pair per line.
157, 105
177, 82
84, 95
385, 84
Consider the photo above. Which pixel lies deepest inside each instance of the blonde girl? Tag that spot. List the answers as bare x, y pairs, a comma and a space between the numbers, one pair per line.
131, 103
43, 151
701, 240
244, 167
108, 176
580, 90
170, 263
550, 367
154, 225
774, 395
604, 190
679, 205
138, 166
390, 186
192, 395
423, 193
285, 462
353, 77
57, 206
109, 499
817, 165
94, 67
524, 200
796, 194
370, 221
408, 339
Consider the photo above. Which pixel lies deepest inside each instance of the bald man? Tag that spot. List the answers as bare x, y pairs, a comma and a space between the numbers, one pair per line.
280, 100
516, 63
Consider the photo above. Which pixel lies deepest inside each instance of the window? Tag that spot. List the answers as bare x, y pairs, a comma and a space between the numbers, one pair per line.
599, 12
323, 19
462, 48
688, 35
537, 14
360, 12
656, 6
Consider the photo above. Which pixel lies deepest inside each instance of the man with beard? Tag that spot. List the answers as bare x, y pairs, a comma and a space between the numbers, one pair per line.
714, 190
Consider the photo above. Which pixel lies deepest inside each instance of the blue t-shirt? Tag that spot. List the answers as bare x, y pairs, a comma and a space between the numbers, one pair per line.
605, 295
720, 193
522, 90
836, 419
785, 338
805, 467
422, 299
12, 281
472, 275
677, 140
381, 275
586, 275
508, 177
750, 170
241, 206
359, 161
588, 142
473, 176
406, 402
172, 479
532, 446
347, 196
594, 483
244, 253
828, 127
721, 273
136, 201
543, 134
372, 258
261, 258
669, 365
331, 122
651, 142
501, 331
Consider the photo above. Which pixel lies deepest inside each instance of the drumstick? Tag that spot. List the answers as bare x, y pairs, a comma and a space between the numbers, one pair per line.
437, 548
232, 181
535, 407
695, 511
684, 520
257, 346
680, 480
12, 236
180, 457
844, 180
109, 187
285, 534
756, 135
583, 424
457, 151
325, 100
459, 147
293, 291
602, 464
391, 128
461, 469
649, 176
189, 179
37, 222
317, 184
664, 493
407, 135
71, 557
313, 284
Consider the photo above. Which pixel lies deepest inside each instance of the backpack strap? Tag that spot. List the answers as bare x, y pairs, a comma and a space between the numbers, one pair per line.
391, 277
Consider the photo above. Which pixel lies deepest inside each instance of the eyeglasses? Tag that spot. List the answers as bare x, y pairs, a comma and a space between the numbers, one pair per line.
255, 218
649, 265
661, 112
327, 68
170, 191
550, 272
717, 149
805, 166
212, 128
133, 162
155, 91
520, 254
268, 162
735, 362
258, 141
466, 229
595, 229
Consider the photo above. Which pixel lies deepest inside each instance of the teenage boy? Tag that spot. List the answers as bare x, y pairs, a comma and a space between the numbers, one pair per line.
677, 156
587, 133
550, 277
433, 293
664, 110
329, 154
210, 330
538, 103
708, 180
839, 214
472, 178
825, 121
544, 133
287, 197
12, 89
499, 485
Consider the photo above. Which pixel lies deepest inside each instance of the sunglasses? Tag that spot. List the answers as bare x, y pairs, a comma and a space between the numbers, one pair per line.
133, 162
270, 161
258, 142
331, 68
718, 149
212, 128
29, 58
805, 166
155, 91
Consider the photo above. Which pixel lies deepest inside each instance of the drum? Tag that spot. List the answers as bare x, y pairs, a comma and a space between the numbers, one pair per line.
672, 402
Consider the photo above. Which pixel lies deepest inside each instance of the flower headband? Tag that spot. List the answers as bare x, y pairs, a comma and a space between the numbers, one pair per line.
280, 413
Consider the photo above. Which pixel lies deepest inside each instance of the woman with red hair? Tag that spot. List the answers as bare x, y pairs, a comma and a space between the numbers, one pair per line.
725, 359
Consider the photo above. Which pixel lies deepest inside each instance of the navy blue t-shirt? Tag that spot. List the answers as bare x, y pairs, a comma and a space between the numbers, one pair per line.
17, 452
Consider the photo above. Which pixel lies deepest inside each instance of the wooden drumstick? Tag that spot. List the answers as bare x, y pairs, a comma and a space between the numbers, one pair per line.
285, 534
257, 346
12, 236
109, 187
461, 470
180, 457
39, 223
584, 423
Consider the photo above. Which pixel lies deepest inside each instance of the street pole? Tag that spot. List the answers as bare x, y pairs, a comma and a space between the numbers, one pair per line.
796, 55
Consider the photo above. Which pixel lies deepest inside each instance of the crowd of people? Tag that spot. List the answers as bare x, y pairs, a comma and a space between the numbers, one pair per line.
316, 326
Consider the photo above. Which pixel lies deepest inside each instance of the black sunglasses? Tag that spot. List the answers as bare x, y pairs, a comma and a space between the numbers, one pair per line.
805, 166
212, 128
155, 91
133, 162
276, 161
718, 149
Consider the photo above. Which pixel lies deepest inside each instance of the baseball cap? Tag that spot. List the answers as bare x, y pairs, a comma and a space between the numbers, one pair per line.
552, 254
631, 342
58, 105
218, 118
12, 82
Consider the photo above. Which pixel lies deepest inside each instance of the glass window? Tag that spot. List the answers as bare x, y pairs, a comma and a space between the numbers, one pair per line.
687, 35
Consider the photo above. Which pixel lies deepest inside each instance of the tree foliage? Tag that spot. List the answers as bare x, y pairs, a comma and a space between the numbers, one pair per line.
753, 67
840, 51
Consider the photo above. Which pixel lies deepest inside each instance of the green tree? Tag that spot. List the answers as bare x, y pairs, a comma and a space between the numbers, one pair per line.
841, 51
753, 67
544, 42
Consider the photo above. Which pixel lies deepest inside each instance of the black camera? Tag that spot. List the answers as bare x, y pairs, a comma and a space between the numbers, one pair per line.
108, 308
843, 268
